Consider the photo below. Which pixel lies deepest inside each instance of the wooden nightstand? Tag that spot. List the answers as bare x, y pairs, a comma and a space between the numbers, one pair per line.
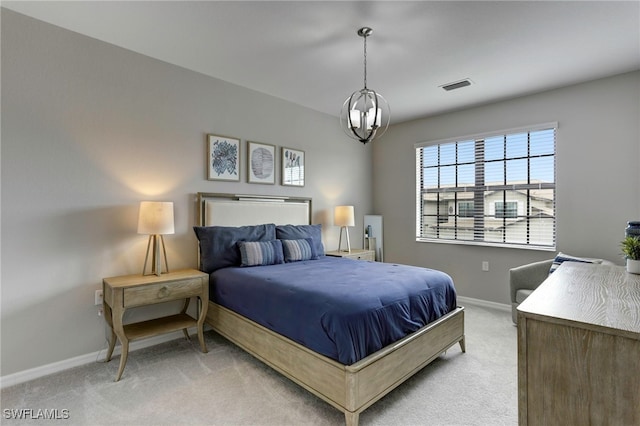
357, 254
129, 291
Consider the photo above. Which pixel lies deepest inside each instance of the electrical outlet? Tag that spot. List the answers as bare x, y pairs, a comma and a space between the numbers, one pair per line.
485, 265
98, 299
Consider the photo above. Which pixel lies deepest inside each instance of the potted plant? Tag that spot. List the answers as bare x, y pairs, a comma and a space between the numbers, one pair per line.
631, 250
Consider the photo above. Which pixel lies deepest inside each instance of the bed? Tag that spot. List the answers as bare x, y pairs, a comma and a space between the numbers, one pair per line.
350, 380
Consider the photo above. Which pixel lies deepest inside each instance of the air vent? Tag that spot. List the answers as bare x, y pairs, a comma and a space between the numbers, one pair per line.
456, 85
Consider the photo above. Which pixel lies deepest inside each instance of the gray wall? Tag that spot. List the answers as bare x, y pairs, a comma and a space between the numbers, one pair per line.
598, 179
88, 131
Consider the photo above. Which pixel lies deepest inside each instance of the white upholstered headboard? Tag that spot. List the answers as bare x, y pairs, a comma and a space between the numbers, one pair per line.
240, 210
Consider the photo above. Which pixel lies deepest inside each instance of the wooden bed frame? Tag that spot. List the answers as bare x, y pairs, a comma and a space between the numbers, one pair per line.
349, 388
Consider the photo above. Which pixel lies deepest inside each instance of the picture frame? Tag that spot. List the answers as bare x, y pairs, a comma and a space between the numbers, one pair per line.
261, 163
223, 158
292, 167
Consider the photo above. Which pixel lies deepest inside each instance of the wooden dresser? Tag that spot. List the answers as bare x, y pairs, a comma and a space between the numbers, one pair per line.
579, 348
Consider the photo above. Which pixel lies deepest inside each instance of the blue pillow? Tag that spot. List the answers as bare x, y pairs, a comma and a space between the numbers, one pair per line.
296, 232
296, 250
218, 244
260, 253
562, 257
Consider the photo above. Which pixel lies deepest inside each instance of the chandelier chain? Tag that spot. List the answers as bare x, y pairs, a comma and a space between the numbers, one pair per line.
365, 61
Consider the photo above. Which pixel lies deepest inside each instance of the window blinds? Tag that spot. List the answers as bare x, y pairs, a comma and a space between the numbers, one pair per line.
494, 188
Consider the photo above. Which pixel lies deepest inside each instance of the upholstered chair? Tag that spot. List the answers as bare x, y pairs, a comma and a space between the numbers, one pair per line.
523, 280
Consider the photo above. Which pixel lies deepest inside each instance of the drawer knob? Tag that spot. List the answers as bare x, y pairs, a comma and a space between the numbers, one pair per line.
164, 292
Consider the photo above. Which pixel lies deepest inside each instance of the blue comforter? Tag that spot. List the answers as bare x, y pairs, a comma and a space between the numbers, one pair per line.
341, 308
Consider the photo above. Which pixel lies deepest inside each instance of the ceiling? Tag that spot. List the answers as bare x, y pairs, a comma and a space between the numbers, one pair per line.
308, 52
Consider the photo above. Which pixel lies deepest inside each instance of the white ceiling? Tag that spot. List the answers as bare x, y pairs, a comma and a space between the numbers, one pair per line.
308, 52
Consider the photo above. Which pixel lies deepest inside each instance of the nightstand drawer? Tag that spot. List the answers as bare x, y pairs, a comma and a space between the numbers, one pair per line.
363, 256
367, 255
162, 292
355, 254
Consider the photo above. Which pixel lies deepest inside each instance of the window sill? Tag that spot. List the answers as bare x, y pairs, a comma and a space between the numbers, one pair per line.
486, 244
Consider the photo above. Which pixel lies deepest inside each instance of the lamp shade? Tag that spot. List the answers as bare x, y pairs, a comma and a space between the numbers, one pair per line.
343, 216
156, 218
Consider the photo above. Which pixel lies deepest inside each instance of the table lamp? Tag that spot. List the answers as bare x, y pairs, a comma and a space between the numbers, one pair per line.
156, 219
343, 217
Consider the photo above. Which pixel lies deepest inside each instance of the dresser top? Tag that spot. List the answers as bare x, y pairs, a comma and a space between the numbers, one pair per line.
596, 296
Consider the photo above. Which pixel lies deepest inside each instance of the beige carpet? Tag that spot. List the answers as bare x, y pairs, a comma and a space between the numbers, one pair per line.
175, 384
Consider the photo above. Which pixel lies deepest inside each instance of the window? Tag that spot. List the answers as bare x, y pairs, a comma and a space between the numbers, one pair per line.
507, 209
465, 209
490, 189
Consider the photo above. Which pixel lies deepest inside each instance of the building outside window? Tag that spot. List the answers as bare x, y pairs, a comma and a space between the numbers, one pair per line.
495, 189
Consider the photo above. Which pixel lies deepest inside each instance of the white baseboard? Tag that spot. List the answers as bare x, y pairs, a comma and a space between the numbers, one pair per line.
484, 303
98, 356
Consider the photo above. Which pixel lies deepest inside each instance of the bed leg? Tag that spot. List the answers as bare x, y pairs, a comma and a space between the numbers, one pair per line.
462, 346
351, 419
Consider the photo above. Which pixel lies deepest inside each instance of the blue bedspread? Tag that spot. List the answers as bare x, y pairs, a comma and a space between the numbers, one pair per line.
344, 309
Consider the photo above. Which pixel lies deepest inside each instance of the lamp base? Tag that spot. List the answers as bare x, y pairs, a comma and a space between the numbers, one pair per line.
346, 229
156, 262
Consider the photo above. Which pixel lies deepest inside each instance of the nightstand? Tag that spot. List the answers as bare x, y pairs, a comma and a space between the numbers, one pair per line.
357, 254
129, 291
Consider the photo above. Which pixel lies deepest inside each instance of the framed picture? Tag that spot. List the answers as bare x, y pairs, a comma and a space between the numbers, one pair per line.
292, 162
261, 167
223, 158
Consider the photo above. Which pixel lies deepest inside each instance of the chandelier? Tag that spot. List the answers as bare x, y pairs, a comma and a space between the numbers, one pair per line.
365, 114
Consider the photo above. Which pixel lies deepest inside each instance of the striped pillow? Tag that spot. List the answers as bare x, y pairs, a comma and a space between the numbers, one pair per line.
296, 250
258, 253
561, 257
